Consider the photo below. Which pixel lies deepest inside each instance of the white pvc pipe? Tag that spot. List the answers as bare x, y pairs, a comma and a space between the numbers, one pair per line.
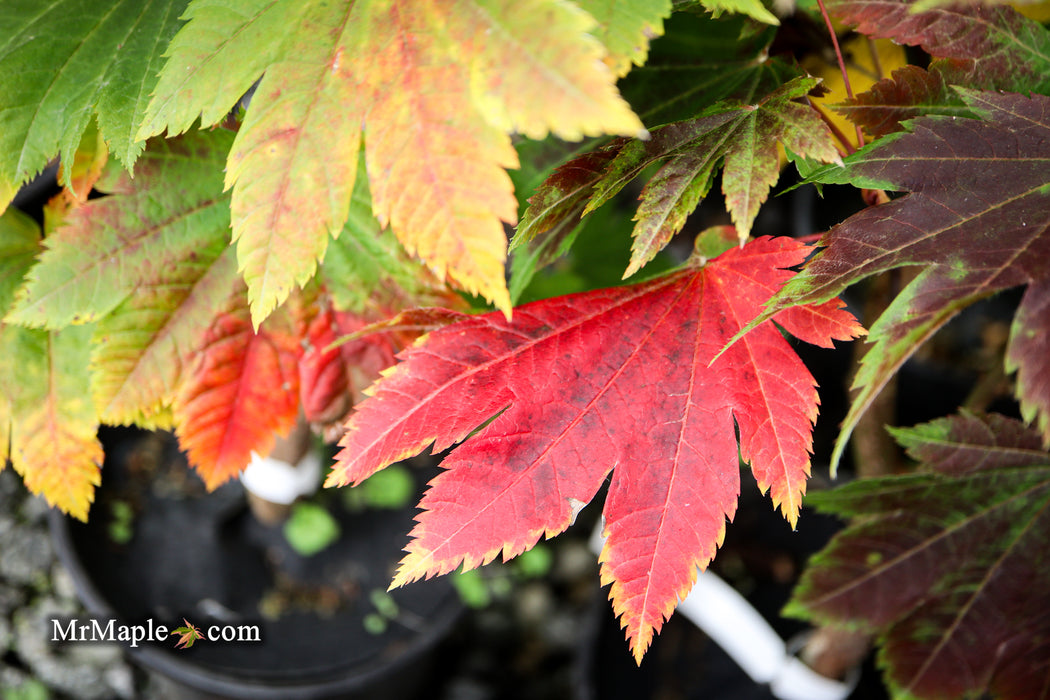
280, 482
715, 607
727, 618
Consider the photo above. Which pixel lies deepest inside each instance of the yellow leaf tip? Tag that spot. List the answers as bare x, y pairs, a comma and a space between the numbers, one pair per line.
412, 568
638, 651
335, 479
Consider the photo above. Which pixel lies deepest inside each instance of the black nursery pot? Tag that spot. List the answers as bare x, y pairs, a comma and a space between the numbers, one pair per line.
203, 557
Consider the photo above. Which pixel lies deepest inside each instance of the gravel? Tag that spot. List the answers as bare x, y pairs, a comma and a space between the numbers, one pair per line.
34, 589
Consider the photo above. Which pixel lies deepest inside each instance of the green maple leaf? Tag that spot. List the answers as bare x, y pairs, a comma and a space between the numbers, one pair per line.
977, 220
752, 8
19, 245
742, 136
700, 61
954, 555
47, 421
552, 222
141, 350
366, 266
173, 212
148, 263
700, 65
63, 62
626, 27
432, 89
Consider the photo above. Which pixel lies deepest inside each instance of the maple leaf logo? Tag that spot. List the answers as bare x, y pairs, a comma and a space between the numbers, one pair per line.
188, 634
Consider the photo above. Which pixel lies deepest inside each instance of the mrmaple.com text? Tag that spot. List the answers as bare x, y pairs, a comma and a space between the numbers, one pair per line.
76, 630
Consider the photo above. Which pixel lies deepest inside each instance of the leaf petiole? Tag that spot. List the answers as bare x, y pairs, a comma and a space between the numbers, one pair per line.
841, 61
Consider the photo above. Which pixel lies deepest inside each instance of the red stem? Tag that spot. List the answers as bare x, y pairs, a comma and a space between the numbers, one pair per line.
842, 62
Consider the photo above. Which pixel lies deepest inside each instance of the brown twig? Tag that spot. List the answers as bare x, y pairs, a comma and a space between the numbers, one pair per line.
992, 380
875, 453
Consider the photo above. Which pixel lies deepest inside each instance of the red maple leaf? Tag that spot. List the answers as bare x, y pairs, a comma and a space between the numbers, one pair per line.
323, 382
332, 379
620, 380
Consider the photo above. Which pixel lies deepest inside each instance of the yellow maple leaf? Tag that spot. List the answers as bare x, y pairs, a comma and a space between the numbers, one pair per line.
52, 422
435, 88
867, 61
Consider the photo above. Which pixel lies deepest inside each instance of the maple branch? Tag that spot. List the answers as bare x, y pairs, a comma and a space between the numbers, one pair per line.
841, 61
992, 382
834, 651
